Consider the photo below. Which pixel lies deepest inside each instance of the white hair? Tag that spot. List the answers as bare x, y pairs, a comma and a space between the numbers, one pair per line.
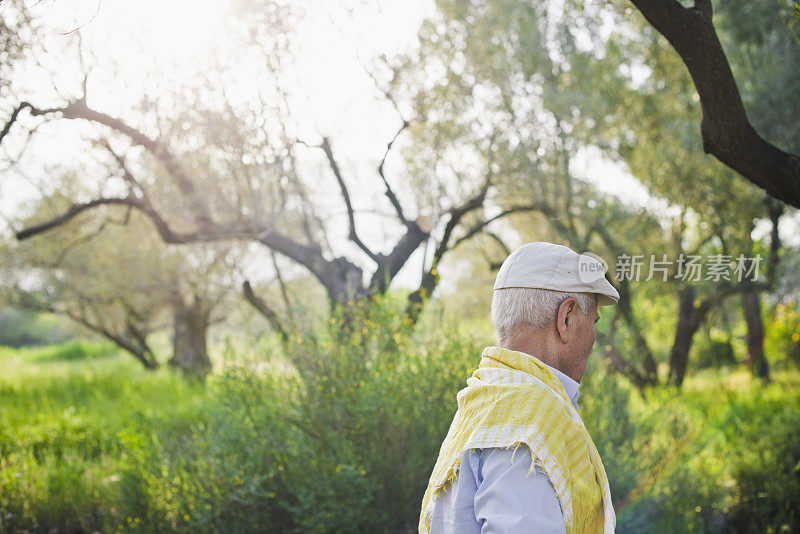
528, 307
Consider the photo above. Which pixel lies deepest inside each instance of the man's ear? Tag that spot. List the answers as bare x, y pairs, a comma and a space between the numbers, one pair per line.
566, 314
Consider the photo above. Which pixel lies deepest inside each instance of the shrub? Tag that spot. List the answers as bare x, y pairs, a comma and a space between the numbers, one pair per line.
74, 350
343, 441
712, 351
338, 432
20, 328
764, 457
783, 334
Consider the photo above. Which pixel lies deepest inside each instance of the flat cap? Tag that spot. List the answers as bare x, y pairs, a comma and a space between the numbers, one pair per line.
545, 265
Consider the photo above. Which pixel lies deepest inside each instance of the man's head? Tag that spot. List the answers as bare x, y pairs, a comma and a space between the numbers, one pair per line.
546, 304
553, 325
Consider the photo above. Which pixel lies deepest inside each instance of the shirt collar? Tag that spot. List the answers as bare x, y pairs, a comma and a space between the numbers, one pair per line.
572, 387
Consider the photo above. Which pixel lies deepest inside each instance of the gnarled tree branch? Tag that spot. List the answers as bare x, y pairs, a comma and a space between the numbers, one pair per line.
389, 193
78, 109
353, 235
430, 278
264, 309
73, 211
726, 130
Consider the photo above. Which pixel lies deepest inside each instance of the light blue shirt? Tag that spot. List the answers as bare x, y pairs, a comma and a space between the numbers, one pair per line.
494, 494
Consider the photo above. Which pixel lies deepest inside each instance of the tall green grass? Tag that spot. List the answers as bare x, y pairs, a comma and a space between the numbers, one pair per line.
63, 411
338, 432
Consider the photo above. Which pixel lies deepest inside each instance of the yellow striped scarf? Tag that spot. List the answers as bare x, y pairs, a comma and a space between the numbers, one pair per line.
513, 398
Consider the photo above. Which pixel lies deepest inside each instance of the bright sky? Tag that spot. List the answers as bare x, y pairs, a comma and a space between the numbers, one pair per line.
337, 96
333, 93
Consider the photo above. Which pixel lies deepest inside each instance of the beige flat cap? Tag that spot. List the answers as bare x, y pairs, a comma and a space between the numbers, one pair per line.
545, 265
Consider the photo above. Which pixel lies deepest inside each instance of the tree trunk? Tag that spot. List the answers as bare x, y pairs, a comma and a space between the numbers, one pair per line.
141, 352
650, 369
796, 352
690, 316
190, 353
755, 334
417, 299
619, 363
679, 356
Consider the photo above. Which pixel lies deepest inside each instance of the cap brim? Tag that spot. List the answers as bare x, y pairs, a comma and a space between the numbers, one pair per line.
606, 300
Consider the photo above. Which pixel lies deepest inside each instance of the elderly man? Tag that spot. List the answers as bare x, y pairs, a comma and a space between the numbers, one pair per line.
517, 457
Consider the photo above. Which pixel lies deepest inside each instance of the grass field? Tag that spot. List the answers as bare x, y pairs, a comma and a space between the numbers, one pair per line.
90, 441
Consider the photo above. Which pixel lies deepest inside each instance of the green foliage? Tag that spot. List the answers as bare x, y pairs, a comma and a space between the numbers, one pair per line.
726, 461
75, 350
522, 92
338, 432
765, 463
354, 428
714, 350
20, 328
760, 39
61, 458
783, 335
605, 406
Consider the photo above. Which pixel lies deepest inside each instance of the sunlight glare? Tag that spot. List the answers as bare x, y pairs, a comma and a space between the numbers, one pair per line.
183, 29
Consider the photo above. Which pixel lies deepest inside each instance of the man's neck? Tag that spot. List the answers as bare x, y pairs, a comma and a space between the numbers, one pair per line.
535, 346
